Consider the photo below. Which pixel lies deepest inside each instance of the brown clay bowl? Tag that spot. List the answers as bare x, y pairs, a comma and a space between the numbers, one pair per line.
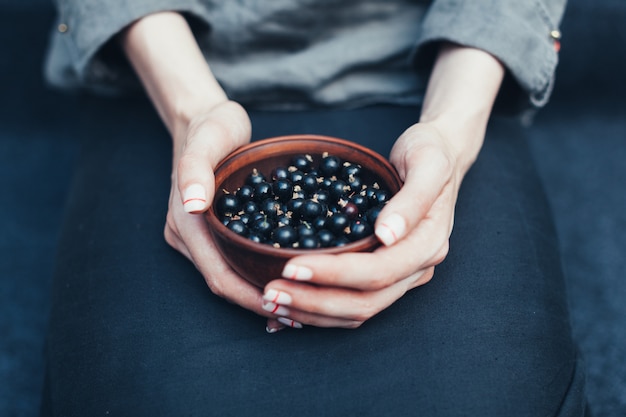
260, 263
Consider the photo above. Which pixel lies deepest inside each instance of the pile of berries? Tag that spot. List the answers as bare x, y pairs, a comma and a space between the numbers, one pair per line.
304, 205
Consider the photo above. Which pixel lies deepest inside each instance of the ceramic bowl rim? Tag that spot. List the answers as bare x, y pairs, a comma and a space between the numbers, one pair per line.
265, 249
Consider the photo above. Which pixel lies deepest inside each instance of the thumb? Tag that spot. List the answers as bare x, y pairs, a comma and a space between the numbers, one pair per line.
209, 139
426, 168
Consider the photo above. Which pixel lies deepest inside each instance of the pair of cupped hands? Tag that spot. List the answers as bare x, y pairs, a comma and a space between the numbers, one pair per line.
320, 290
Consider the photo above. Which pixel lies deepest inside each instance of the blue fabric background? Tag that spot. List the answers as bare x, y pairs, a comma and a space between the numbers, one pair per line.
579, 143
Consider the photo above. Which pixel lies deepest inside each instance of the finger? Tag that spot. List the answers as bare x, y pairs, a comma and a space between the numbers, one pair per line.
219, 276
426, 168
335, 307
273, 325
208, 141
423, 247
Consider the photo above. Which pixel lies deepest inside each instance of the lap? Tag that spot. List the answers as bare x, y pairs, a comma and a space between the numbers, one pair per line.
135, 330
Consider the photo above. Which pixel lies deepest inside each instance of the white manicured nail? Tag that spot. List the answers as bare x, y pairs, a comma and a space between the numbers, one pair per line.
298, 273
194, 198
276, 309
391, 229
277, 297
290, 323
272, 330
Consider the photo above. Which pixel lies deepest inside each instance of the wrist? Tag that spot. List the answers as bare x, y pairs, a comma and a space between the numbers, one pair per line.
464, 138
184, 109
172, 68
461, 92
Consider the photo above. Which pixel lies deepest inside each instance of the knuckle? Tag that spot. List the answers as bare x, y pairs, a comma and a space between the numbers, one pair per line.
354, 325
428, 276
186, 162
169, 232
366, 311
379, 281
434, 154
442, 254
216, 288
240, 122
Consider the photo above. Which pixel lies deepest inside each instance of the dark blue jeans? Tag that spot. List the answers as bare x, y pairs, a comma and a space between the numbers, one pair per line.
136, 332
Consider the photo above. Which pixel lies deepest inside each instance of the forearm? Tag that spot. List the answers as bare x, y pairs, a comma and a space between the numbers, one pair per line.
460, 96
164, 53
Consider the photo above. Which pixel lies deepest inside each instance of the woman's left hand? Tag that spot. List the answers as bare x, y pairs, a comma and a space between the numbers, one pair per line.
346, 290
432, 158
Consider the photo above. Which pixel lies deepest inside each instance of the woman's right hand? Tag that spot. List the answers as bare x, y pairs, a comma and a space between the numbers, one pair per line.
208, 138
205, 127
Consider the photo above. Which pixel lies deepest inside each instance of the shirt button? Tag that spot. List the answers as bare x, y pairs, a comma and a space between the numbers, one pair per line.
62, 28
556, 38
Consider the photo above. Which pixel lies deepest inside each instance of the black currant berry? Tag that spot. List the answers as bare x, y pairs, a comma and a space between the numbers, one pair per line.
285, 219
361, 202
263, 227
262, 191
330, 165
228, 205
372, 214
337, 223
323, 196
238, 227
326, 238
326, 183
350, 170
309, 184
245, 218
338, 189
294, 206
255, 177
256, 216
311, 210
370, 194
270, 207
351, 210
279, 173
355, 184
283, 189
285, 236
320, 222
305, 229
358, 230
305, 205
309, 242
250, 207
381, 196
255, 237
302, 162
296, 177
244, 193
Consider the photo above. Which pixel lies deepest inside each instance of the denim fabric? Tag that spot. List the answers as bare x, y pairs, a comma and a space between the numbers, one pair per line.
294, 54
136, 332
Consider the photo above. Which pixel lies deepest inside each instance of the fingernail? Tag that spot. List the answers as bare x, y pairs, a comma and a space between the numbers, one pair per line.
272, 330
295, 272
194, 198
276, 309
290, 323
390, 229
277, 297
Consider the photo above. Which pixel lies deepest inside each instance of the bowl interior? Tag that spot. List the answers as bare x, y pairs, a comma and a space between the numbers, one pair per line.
265, 155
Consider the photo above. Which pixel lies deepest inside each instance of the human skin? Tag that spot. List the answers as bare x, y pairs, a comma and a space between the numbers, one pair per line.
431, 156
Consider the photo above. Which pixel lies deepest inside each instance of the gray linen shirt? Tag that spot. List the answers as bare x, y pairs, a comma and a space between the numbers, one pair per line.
306, 53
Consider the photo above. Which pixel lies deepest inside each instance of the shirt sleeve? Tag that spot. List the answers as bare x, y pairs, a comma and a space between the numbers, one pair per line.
524, 35
81, 54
